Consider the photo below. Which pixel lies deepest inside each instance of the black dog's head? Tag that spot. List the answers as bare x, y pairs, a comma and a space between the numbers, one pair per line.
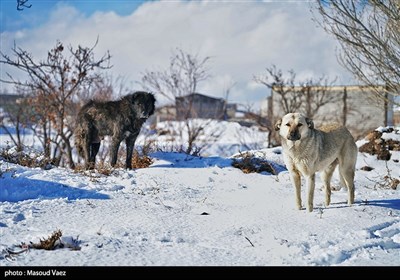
144, 104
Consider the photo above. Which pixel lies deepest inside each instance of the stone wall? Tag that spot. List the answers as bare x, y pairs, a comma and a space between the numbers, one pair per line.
354, 106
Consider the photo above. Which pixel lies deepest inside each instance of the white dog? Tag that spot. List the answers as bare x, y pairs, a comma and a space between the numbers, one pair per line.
308, 150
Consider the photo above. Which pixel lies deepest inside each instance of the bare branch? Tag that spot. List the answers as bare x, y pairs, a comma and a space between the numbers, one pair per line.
182, 77
369, 34
53, 84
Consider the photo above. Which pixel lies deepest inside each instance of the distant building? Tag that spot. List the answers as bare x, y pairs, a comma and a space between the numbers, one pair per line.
9, 99
9, 102
357, 107
201, 106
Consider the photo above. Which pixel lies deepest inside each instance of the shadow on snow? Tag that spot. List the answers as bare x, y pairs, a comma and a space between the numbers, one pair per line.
387, 203
18, 189
181, 160
13, 130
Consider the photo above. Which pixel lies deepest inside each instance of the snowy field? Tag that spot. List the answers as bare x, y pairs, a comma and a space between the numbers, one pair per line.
197, 211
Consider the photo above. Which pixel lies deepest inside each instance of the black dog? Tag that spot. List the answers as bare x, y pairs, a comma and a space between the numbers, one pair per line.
120, 119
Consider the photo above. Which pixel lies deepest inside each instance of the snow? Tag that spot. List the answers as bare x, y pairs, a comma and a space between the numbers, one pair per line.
198, 211
391, 135
220, 138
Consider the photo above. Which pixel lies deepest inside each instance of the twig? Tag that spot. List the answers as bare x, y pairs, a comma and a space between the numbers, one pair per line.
249, 241
99, 231
90, 204
168, 207
320, 212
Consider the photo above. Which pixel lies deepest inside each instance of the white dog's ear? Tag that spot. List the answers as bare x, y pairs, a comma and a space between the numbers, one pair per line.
310, 123
278, 125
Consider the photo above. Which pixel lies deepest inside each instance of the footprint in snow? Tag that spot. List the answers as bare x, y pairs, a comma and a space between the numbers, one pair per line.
19, 217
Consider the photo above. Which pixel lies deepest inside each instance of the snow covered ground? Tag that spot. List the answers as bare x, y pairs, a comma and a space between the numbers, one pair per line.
197, 211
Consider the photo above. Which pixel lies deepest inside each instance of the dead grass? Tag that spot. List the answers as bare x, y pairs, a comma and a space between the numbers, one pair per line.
27, 158
141, 161
378, 146
50, 243
250, 164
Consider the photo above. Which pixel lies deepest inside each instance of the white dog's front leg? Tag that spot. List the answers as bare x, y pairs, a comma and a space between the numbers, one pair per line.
296, 181
311, 186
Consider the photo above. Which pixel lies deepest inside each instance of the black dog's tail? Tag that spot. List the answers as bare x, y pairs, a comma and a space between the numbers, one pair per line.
82, 128
79, 133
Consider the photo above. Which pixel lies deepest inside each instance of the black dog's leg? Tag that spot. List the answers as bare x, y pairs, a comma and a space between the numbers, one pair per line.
94, 149
114, 150
86, 152
130, 143
85, 140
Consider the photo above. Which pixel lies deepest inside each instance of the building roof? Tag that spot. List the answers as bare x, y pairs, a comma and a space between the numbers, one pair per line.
200, 95
338, 88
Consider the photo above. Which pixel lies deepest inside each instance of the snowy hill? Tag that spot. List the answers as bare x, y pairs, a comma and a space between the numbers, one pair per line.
195, 211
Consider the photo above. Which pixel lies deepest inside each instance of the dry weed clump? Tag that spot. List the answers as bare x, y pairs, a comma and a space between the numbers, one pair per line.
27, 157
250, 164
380, 147
141, 161
50, 243
101, 168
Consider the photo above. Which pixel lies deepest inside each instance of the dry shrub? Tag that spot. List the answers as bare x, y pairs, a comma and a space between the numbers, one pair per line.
378, 146
393, 183
79, 168
393, 145
50, 243
106, 169
102, 167
250, 164
54, 242
141, 161
29, 158
388, 182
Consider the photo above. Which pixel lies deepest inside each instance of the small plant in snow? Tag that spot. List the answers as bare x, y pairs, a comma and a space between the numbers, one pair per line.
26, 157
106, 169
387, 181
90, 204
248, 163
102, 167
49, 243
143, 160
320, 212
140, 161
99, 232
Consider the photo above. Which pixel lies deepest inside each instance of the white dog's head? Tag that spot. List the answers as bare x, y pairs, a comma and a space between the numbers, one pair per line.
294, 126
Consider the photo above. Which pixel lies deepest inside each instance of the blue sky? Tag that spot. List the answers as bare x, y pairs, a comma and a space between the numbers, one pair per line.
241, 37
13, 19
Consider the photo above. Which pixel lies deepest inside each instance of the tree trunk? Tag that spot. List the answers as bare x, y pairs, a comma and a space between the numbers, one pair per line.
69, 152
345, 110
